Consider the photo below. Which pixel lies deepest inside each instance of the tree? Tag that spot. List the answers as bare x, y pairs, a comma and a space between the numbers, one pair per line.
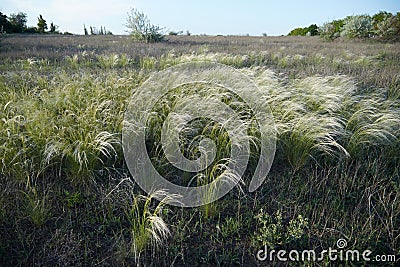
298, 32
140, 28
309, 31
5, 25
41, 25
53, 28
85, 30
18, 22
383, 25
359, 26
312, 30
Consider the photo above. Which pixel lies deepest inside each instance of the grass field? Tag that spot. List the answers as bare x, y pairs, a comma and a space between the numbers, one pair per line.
67, 197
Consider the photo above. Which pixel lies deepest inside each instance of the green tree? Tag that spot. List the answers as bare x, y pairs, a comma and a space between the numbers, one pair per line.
310, 30
140, 28
41, 25
298, 32
5, 25
18, 22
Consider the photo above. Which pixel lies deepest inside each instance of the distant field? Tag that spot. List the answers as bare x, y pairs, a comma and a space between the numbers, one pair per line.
67, 197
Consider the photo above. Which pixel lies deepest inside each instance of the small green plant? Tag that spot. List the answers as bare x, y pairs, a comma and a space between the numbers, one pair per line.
36, 207
72, 199
231, 226
273, 232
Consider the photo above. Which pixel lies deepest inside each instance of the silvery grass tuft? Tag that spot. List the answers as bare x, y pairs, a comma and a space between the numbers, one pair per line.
308, 115
306, 137
369, 128
63, 125
194, 130
146, 223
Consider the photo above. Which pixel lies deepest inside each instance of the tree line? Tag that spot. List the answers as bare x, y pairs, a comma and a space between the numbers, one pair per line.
16, 23
383, 25
95, 31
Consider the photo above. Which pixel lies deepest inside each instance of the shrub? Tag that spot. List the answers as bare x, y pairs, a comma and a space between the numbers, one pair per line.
274, 232
386, 25
331, 30
359, 26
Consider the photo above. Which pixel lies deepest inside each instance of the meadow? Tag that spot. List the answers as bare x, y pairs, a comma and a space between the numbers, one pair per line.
68, 198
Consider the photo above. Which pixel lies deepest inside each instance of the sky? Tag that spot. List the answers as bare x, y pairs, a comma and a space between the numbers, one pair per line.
211, 17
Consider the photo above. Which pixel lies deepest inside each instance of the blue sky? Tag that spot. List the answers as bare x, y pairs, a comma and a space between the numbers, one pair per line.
212, 17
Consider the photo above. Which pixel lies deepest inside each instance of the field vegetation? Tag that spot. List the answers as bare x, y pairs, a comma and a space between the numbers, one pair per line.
66, 194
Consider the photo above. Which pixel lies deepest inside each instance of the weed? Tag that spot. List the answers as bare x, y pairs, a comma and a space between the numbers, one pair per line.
273, 232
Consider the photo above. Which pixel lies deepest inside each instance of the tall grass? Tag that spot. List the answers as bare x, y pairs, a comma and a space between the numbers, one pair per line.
326, 115
62, 168
65, 124
147, 225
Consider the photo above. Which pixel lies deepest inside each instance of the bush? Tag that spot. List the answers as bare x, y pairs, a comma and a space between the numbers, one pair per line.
386, 26
327, 31
31, 30
331, 30
359, 26
141, 29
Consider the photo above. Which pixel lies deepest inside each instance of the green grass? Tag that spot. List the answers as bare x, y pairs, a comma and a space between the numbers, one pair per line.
67, 197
